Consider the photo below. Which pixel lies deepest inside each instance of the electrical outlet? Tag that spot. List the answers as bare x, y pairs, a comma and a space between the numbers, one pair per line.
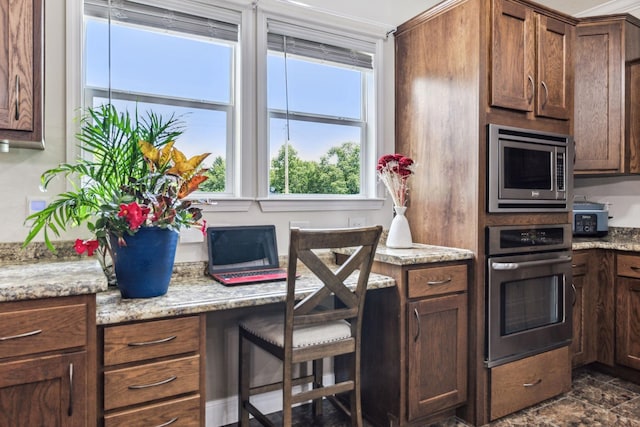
357, 221
35, 204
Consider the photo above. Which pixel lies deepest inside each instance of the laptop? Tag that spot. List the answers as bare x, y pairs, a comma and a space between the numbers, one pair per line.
240, 255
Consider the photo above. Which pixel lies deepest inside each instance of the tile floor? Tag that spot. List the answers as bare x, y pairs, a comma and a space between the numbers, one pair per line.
595, 400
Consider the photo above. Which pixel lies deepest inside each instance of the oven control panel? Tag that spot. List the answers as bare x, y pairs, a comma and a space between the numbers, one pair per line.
514, 239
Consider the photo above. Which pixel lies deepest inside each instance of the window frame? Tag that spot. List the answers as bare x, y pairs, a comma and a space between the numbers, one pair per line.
314, 27
251, 161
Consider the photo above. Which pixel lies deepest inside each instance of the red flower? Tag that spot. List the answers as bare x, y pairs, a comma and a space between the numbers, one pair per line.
394, 170
86, 245
204, 227
134, 214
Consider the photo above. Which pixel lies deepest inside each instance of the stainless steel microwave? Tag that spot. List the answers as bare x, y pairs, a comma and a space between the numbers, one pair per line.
528, 171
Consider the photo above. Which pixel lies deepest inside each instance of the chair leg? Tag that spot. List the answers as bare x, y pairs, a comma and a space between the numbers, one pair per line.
317, 383
244, 364
287, 392
356, 401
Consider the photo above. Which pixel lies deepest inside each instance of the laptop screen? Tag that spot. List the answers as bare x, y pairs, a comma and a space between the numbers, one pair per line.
242, 248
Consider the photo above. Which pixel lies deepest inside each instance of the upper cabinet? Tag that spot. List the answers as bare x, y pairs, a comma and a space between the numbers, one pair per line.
21, 73
607, 95
531, 62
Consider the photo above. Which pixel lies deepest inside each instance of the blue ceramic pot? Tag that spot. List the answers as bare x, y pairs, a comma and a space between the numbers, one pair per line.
143, 267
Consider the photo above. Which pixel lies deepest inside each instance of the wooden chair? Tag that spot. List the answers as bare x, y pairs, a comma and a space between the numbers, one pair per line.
307, 331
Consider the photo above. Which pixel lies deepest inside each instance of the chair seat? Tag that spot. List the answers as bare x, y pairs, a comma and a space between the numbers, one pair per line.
271, 329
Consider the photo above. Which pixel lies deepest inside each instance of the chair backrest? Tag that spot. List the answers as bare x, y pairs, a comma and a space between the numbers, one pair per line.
303, 246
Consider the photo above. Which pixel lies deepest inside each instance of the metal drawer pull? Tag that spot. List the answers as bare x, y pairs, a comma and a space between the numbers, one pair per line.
415, 311
577, 265
171, 421
138, 387
70, 410
533, 384
439, 282
575, 294
26, 334
634, 268
533, 86
17, 116
160, 341
634, 288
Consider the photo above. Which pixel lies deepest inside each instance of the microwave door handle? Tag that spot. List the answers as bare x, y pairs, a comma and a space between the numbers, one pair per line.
526, 264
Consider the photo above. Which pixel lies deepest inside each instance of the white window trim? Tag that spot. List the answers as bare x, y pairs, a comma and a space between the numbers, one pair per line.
331, 29
249, 150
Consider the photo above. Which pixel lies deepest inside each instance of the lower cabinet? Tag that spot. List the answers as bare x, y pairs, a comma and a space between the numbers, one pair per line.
627, 315
46, 349
583, 346
414, 345
153, 373
525, 382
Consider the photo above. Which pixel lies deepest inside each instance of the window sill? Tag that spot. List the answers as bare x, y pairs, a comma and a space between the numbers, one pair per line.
319, 204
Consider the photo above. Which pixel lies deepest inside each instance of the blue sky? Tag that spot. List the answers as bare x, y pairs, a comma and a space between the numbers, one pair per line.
153, 62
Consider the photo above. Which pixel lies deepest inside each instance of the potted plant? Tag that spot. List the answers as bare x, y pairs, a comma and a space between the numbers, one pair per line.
130, 186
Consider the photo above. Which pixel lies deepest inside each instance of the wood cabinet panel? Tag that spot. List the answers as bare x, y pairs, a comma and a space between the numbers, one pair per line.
628, 322
628, 265
437, 354
143, 341
525, 382
183, 412
583, 346
426, 282
44, 391
38, 330
21, 70
129, 386
555, 68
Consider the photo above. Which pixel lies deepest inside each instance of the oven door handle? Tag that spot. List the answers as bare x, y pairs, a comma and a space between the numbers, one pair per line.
525, 264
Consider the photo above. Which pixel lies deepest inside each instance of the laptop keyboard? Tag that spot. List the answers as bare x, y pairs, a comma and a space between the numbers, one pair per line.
253, 273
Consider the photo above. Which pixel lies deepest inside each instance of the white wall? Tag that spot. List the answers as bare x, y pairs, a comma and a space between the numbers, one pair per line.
622, 193
20, 169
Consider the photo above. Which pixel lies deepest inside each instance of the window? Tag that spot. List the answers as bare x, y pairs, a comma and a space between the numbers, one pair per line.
179, 59
319, 106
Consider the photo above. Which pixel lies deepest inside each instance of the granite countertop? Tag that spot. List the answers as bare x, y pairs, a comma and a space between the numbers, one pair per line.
618, 238
50, 279
418, 254
205, 294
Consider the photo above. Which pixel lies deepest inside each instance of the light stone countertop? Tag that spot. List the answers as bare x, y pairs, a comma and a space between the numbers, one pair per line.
50, 279
418, 254
618, 238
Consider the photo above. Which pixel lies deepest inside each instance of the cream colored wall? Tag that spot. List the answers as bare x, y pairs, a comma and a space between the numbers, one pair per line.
20, 169
621, 193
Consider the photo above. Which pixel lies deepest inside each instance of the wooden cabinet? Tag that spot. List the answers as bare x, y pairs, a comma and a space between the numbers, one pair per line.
414, 348
153, 372
531, 62
627, 312
607, 100
47, 350
583, 347
520, 384
21, 72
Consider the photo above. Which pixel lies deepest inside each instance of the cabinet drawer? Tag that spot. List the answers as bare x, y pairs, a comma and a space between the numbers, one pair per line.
526, 382
129, 386
148, 340
38, 330
628, 265
579, 263
437, 280
184, 412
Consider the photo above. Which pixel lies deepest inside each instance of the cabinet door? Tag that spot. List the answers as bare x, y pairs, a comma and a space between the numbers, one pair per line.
583, 349
512, 56
47, 391
598, 125
437, 353
555, 68
627, 321
16, 65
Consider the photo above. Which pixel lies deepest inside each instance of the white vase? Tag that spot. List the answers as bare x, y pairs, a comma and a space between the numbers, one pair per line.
399, 232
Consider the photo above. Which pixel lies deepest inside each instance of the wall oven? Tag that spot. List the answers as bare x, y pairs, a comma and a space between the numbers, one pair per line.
528, 171
529, 295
